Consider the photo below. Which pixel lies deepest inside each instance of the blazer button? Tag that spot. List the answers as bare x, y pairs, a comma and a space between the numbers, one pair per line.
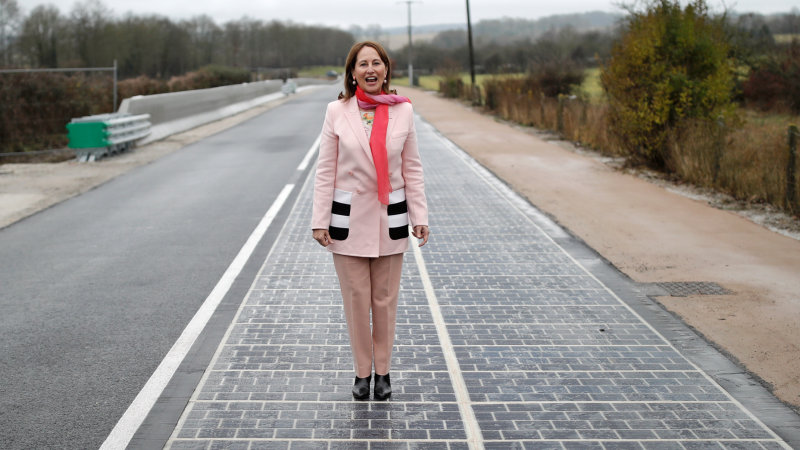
358, 191
350, 173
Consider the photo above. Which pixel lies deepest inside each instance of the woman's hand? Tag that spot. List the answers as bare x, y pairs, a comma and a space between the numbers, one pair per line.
321, 235
421, 232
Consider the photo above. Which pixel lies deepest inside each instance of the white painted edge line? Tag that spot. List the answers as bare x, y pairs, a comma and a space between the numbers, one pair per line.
471, 426
309, 154
309, 86
513, 199
225, 339
134, 416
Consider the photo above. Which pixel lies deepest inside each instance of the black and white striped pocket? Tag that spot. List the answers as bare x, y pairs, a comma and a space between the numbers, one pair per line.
339, 228
398, 215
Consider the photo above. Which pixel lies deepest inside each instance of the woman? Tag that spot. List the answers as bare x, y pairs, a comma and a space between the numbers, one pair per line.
368, 185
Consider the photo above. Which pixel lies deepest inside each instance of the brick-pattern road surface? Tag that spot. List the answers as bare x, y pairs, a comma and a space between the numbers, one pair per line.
503, 341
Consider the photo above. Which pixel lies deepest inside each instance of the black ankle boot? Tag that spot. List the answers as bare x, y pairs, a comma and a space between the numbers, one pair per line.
383, 387
361, 388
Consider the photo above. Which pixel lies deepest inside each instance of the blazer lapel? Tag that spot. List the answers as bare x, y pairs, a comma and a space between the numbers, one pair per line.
390, 125
354, 119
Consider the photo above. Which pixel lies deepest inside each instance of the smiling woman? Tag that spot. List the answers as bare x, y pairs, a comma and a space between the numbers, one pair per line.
368, 187
367, 60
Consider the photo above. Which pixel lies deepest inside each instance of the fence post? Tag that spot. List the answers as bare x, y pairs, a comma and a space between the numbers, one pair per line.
114, 106
719, 148
541, 109
584, 111
476, 95
560, 114
791, 174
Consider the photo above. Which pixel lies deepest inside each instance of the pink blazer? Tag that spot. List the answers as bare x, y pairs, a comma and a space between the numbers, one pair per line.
345, 189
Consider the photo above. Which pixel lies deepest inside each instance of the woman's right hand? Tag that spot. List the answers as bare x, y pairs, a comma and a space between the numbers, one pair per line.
321, 235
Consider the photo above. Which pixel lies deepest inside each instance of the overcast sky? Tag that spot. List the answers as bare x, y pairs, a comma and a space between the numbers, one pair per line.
387, 13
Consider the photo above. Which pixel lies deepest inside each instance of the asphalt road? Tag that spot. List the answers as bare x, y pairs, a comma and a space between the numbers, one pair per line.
95, 290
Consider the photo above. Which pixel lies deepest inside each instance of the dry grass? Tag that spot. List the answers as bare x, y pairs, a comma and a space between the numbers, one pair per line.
786, 38
578, 120
748, 160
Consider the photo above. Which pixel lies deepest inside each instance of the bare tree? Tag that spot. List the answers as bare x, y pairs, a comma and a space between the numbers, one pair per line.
206, 40
9, 25
91, 28
41, 32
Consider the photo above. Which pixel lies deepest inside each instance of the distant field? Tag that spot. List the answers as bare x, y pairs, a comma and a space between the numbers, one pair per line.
591, 85
431, 82
318, 71
786, 38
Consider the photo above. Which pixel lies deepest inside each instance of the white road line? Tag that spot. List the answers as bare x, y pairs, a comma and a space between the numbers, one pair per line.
309, 154
471, 427
126, 427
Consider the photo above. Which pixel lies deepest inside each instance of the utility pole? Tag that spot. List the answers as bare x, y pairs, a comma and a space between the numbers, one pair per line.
471, 52
410, 45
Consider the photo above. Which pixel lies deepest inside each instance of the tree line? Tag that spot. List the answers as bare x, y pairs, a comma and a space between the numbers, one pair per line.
585, 40
156, 46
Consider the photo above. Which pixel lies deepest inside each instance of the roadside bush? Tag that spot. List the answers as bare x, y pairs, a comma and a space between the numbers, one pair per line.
451, 86
515, 99
748, 162
775, 83
209, 77
35, 107
670, 65
557, 77
141, 85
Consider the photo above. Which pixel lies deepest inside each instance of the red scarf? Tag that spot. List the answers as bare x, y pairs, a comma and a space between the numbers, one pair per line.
377, 140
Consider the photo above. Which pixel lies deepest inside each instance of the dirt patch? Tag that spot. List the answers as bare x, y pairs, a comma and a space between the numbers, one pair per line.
655, 231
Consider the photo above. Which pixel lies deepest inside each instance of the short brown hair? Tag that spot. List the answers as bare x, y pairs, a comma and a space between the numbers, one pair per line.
350, 65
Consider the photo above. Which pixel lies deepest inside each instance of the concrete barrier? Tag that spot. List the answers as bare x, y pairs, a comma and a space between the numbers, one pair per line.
175, 112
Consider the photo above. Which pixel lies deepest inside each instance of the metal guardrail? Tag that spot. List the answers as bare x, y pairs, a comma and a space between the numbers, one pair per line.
95, 137
289, 87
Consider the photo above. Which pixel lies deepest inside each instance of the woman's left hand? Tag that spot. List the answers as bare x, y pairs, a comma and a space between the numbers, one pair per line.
421, 232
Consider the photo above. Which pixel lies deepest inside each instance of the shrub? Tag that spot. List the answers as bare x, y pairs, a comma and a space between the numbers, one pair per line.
749, 162
670, 65
209, 77
557, 77
35, 107
775, 83
451, 86
141, 85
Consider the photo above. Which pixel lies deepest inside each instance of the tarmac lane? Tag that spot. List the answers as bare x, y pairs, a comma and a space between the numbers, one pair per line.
95, 290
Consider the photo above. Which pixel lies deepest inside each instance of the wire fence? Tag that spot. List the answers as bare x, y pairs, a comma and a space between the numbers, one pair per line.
36, 104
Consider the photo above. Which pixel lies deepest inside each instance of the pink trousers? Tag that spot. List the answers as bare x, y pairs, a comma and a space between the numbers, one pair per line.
370, 283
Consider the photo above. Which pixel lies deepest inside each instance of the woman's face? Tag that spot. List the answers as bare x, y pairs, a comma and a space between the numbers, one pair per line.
370, 71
